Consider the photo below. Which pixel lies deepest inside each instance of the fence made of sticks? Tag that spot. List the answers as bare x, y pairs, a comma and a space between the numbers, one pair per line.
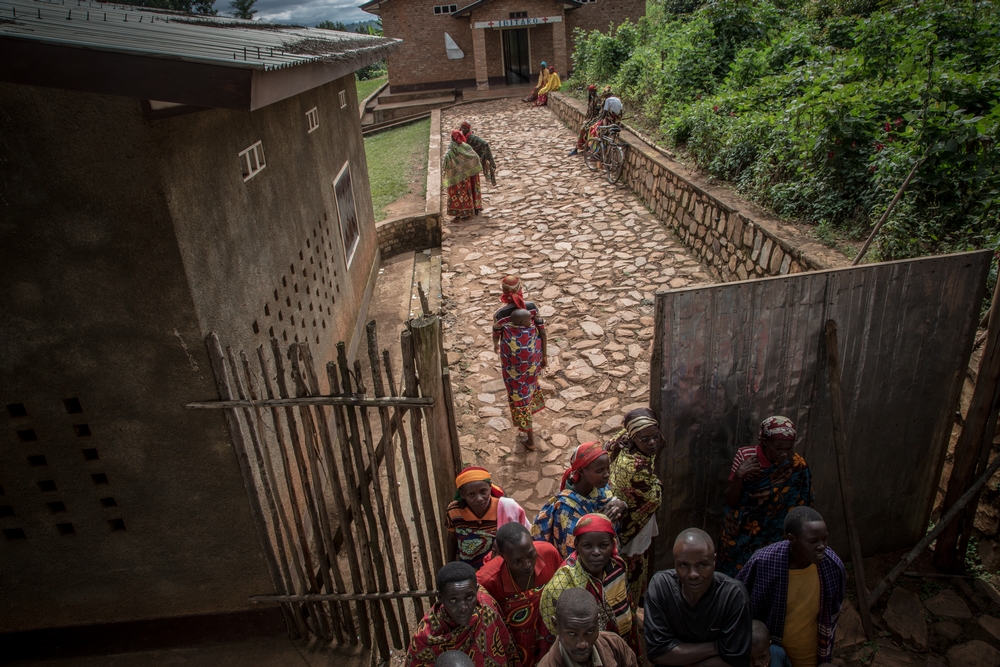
347, 504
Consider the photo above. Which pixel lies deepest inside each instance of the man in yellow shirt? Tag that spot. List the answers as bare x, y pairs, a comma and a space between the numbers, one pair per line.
797, 588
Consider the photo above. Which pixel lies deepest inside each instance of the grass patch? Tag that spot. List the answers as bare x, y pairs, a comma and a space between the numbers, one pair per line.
366, 88
397, 164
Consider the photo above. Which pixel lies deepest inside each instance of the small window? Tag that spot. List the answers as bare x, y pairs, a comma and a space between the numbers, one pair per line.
445, 9
348, 214
342, 95
312, 118
252, 161
519, 15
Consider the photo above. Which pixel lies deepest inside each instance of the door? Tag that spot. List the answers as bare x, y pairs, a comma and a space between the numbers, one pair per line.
516, 64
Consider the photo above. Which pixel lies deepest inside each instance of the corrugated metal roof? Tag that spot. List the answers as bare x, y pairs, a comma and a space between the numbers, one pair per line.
158, 33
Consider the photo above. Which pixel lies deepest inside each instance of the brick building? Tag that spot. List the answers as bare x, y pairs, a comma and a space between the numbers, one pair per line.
162, 176
488, 42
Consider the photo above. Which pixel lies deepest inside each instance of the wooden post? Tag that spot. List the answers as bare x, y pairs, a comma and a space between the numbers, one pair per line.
425, 475
977, 435
846, 490
427, 353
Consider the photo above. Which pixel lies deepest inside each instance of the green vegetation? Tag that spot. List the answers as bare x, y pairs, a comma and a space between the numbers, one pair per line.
367, 87
818, 109
397, 164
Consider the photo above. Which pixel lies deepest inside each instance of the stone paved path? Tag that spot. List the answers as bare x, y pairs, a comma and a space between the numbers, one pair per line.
590, 256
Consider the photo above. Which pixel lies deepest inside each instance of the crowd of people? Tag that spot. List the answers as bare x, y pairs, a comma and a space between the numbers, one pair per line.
566, 588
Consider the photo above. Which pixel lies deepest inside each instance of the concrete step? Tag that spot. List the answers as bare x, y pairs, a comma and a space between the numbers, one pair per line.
384, 112
393, 98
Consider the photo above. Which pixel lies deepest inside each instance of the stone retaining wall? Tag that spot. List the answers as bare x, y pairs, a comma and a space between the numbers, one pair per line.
729, 234
422, 230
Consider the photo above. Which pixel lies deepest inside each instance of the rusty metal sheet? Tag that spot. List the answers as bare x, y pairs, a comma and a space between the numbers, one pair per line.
727, 356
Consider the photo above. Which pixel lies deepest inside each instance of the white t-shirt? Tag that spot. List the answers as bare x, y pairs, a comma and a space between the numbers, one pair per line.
613, 105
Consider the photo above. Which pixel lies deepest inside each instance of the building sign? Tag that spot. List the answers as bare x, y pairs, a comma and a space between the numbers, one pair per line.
518, 23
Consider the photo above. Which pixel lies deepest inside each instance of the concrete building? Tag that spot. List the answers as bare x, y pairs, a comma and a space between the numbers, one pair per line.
488, 42
162, 176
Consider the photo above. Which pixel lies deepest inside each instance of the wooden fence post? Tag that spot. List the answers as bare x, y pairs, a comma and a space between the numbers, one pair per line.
427, 348
977, 435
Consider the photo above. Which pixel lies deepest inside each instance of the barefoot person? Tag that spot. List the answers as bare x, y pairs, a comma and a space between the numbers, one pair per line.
460, 168
596, 567
593, 110
797, 586
464, 619
583, 490
480, 508
543, 78
483, 151
553, 84
515, 578
581, 642
521, 345
695, 615
765, 482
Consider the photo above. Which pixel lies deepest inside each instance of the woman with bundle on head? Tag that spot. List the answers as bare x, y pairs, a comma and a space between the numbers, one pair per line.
519, 339
460, 168
583, 490
479, 509
596, 567
765, 482
552, 85
633, 479
482, 150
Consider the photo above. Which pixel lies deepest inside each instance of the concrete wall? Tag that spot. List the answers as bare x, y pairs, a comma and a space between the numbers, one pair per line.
274, 241
727, 233
97, 307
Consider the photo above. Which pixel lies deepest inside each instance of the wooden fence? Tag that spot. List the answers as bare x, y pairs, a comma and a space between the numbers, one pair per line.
347, 505
727, 356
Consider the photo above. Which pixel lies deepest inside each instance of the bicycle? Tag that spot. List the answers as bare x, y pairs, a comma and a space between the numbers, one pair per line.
606, 150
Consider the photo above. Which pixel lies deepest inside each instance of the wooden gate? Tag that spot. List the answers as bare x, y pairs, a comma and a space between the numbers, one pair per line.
347, 506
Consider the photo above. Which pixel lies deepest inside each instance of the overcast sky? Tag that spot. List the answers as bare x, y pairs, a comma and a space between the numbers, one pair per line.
305, 12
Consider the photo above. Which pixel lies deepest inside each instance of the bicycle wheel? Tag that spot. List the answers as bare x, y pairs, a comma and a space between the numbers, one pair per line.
592, 156
615, 164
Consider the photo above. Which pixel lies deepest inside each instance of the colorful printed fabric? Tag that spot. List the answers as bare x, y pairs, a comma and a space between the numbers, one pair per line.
766, 578
558, 518
474, 534
520, 361
755, 524
593, 110
634, 480
465, 198
485, 639
615, 609
459, 163
776, 428
521, 609
582, 457
485, 156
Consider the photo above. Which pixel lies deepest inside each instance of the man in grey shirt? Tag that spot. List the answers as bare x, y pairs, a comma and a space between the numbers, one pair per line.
693, 615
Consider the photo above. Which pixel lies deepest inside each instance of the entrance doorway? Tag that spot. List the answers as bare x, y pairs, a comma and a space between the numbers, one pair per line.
516, 64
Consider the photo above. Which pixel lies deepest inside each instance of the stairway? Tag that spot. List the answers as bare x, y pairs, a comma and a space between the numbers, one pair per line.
393, 106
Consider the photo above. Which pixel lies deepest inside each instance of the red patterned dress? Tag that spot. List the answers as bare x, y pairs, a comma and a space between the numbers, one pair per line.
485, 639
520, 363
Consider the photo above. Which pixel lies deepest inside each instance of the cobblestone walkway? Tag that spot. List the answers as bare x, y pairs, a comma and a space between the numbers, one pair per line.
590, 256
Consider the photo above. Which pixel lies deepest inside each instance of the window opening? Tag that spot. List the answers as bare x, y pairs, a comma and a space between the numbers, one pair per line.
445, 9
16, 410
342, 96
252, 160
312, 118
348, 214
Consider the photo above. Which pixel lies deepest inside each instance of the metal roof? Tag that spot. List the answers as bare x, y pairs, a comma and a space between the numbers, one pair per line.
230, 42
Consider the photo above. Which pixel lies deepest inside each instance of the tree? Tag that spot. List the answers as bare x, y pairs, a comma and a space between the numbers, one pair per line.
332, 25
206, 7
243, 9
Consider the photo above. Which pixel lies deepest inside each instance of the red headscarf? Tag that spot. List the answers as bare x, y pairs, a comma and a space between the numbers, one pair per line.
584, 455
511, 292
465, 127
776, 428
593, 523
458, 137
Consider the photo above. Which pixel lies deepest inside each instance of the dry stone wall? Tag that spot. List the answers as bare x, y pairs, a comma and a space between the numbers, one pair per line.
730, 235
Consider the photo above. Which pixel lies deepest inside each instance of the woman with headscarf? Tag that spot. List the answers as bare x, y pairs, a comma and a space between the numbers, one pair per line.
583, 490
593, 110
633, 479
597, 568
543, 78
482, 150
479, 508
766, 480
553, 84
519, 339
460, 170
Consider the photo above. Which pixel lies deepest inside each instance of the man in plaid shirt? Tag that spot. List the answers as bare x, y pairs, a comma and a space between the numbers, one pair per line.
796, 587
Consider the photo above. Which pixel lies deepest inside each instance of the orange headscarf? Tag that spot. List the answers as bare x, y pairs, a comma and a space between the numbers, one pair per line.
584, 455
476, 474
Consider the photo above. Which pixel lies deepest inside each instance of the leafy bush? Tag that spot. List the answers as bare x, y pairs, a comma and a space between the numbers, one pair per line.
818, 109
